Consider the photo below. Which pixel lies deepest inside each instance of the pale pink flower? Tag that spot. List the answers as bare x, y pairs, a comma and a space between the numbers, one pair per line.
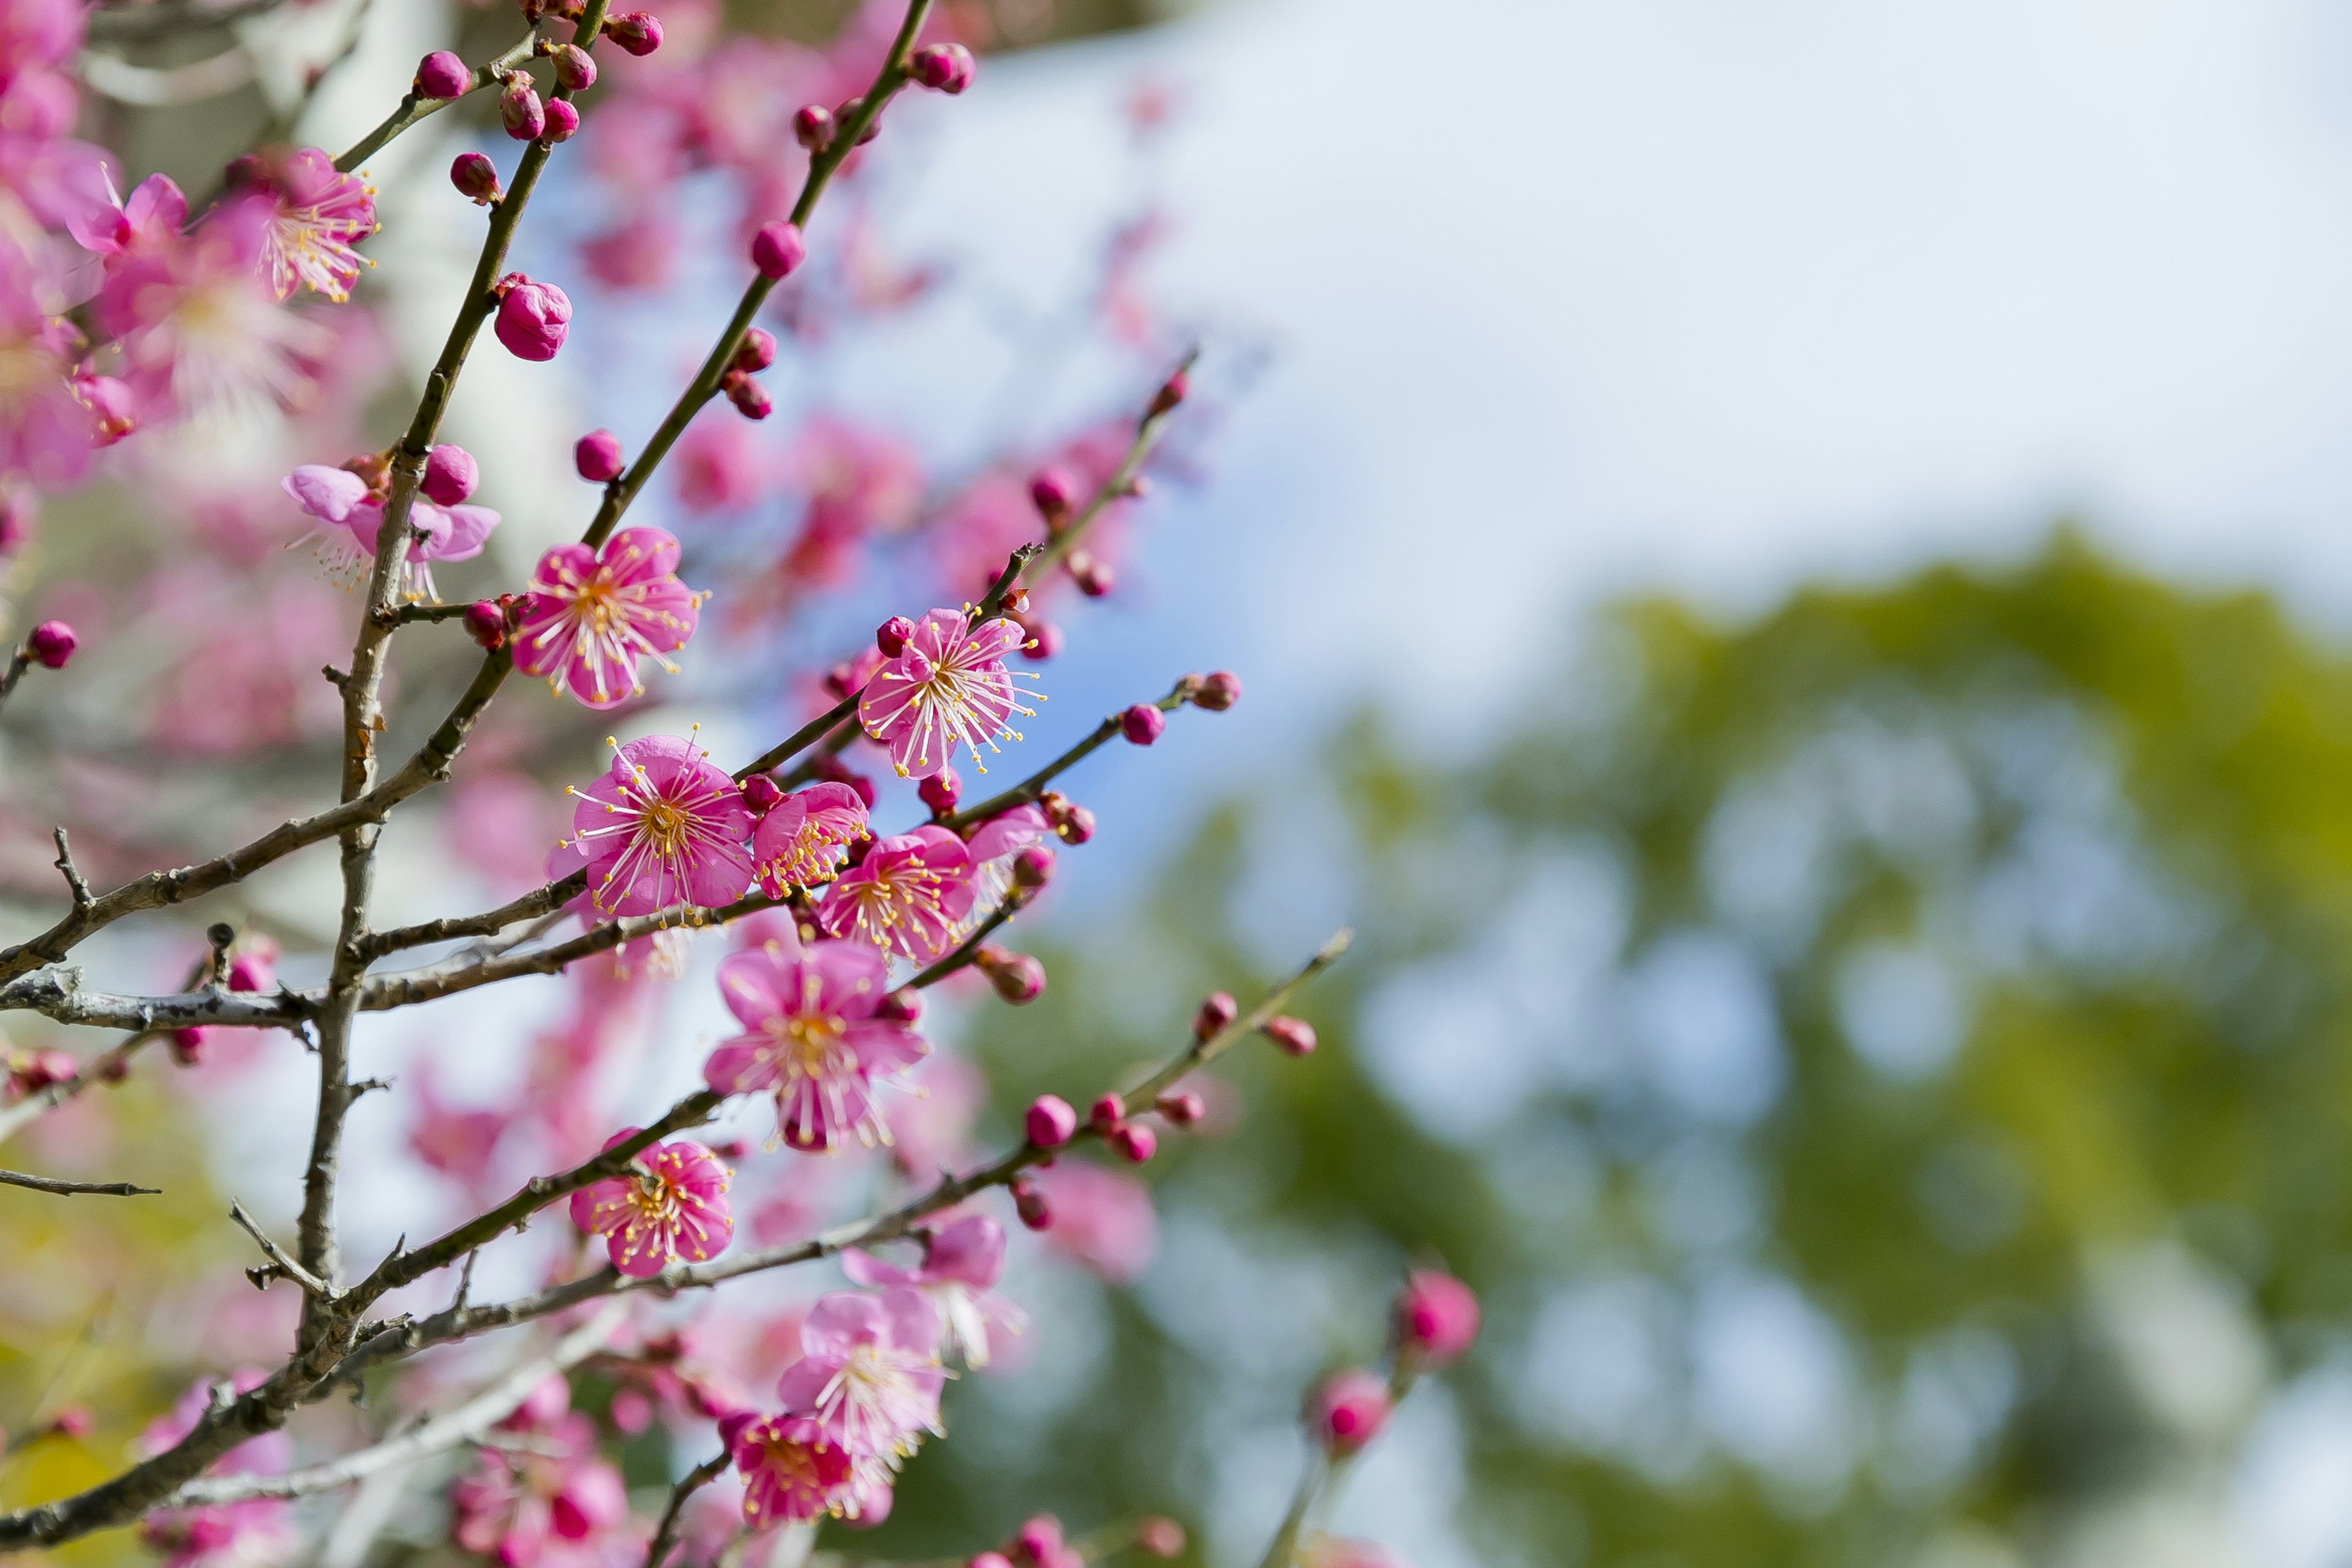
909, 895
870, 1371
46, 433
593, 614
146, 225
317, 215
1102, 1218
350, 514
793, 1471
719, 467
961, 1264
992, 846
662, 827
812, 1038
948, 688
801, 842
674, 1207
547, 1503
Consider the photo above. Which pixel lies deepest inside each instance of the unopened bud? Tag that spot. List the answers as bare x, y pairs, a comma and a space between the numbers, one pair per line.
1436, 1315
1029, 1201
1033, 866
1050, 1123
486, 623
846, 109
638, 33
73, 1422
891, 635
1039, 1540
188, 1043
1220, 689
563, 119
903, 1005
1077, 824
573, 70
1217, 1014
1184, 1110
597, 455
941, 791
833, 770
1091, 573
750, 398
777, 249
757, 352
1054, 491
1135, 1142
475, 177
760, 795
520, 111
1172, 393
533, 318
1142, 723
450, 475
52, 643
813, 126
942, 68
443, 75
1045, 641
1107, 1113
1347, 1411
1294, 1036
1017, 977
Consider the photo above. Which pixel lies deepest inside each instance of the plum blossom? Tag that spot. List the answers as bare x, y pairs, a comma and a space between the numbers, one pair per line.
662, 827
317, 214
802, 839
813, 1037
46, 431
673, 1207
546, 1502
350, 510
1102, 1218
869, 1372
909, 895
961, 1264
994, 843
792, 1471
146, 225
948, 688
593, 614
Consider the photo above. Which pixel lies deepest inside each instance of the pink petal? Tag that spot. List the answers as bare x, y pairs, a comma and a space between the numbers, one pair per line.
326, 493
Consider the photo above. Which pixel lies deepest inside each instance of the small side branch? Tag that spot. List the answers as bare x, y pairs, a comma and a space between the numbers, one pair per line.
280, 1265
414, 108
1147, 431
666, 1535
1034, 787
74, 882
76, 1189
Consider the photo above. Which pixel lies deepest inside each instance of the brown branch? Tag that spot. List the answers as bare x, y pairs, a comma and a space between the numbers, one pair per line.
666, 1534
1147, 431
280, 1265
414, 108
1034, 787
71, 1189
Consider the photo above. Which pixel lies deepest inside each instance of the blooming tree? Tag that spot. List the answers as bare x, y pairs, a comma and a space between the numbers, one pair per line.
147, 314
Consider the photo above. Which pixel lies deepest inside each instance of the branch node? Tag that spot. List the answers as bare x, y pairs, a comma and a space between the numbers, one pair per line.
74, 882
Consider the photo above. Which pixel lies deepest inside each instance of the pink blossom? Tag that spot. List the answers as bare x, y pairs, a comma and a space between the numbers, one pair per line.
662, 827
638, 253
802, 841
812, 1036
1102, 1218
677, 1208
146, 225
870, 1371
961, 1263
533, 318
593, 614
993, 844
909, 895
46, 431
351, 512
859, 483
948, 687
548, 1503
460, 1144
719, 467
792, 1472
317, 215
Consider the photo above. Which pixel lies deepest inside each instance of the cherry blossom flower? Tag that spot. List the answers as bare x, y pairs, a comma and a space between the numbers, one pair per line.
1102, 1218
992, 846
908, 895
802, 839
593, 614
317, 215
948, 688
46, 432
350, 511
662, 827
676, 1209
146, 225
961, 1263
793, 1471
812, 1036
547, 1502
870, 1371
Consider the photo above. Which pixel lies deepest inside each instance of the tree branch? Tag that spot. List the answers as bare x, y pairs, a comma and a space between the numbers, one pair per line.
666, 1534
414, 109
70, 1189
1033, 786
1147, 431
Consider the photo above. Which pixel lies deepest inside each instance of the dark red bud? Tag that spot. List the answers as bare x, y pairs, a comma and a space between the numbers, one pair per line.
1220, 689
777, 249
638, 33
520, 109
1077, 825
1054, 491
1135, 1142
750, 398
562, 121
573, 70
813, 126
1182, 1109
942, 68
1217, 1013
597, 455
1029, 1201
52, 643
757, 352
475, 177
1017, 977
891, 635
1033, 866
443, 75
940, 792
1092, 574
1107, 1113
904, 1005
486, 623
1172, 393
760, 795
1142, 723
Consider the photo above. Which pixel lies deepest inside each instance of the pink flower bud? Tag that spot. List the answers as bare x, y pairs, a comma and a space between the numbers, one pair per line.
1029, 1201
443, 75
573, 70
114, 413
475, 177
638, 33
1436, 1315
252, 971
942, 68
777, 249
1054, 491
1347, 1411
904, 1005
597, 455
1045, 641
1172, 393
520, 109
813, 126
52, 643
72, 1423
486, 623
891, 635
1039, 1539
533, 318
1135, 1142
1294, 1036
941, 791
1160, 1536
757, 352
1077, 824
750, 398
1217, 1013
1182, 1109
1017, 977
833, 770
1142, 723
51, 1066
848, 108
760, 795
1050, 1123
450, 475
1220, 689
990, 1559
1091, 573
1033, 866
188, 1043
563, 119
1107, 1113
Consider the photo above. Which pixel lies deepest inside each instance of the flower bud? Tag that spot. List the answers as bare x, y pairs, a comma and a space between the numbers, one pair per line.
941, 791
942, 68
1135, 1142
1091, 573
486, 623
1217, 1013
1142, 723
1294, 1036
72, 1423
757, 351
891, 635
1172, 393
1045, 641
1033, 866
638, 33
443, 75
573, 70
520, 109
52, 643
777, 249
563, 119
1136, 488
846, 108
1107, 1113
450, 475
1030, 1202
904, 1005
1077, 824
1347, 1411
1054, 491
255, 969
1160, 1536
533, 318
1183, 1109
1050, 1123
1220, 689
475, 177
760, 795
1436, 1315
188, 1043
115, 414
750, 398
597, 455
1018, 978
833, 770
1039, 1539
813, 126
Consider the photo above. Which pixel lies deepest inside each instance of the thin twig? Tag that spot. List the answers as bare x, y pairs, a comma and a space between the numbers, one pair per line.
1147, 431
414, 108
75, 1189
1034, 787
666, 1534
75, 883
279, 1263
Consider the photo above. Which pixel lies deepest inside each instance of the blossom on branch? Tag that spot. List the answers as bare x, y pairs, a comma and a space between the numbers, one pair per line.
671, 1205
961, 1264
317, 214
792, 1472
802, 839
909, 895
547, 1500
350, 507
593, 614
948, 688
662, 827
869, 1372
812, 1036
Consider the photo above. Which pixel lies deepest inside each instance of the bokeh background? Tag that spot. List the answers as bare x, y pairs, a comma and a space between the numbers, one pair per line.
1790, 565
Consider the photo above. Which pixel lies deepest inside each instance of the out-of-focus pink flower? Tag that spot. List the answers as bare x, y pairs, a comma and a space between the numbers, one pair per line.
859, 483
1348, 1410
934, 1129
908, 895
662, 827
351, 513
870, 1371
1342, 1551
793, 1471
460, 1144
548, 1503
961, 1264
1102, 1218
719, 467
46, 432
802, 841
947, 688
317, 215
812, 1038
593, 614
499, 823
253, 1533
676, 1209
638, 253
146, 225
1436, 1315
